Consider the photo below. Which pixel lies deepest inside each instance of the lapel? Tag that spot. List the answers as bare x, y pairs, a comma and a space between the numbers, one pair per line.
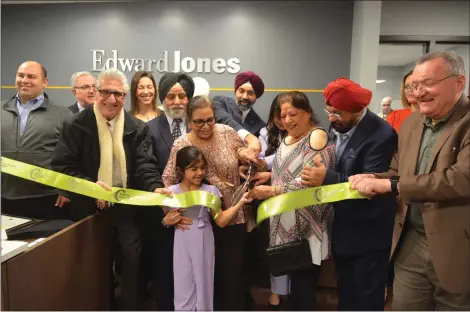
412, 147
249, 121
447, 130
165, 132
358, 136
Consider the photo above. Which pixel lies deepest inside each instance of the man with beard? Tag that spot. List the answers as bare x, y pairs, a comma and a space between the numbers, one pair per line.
238, 113
362, 229
175, 90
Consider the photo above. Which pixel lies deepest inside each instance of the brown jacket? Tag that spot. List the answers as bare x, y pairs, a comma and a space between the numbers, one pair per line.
444, 192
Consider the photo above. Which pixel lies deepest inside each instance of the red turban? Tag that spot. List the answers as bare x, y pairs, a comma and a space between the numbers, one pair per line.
346, 95
254, 79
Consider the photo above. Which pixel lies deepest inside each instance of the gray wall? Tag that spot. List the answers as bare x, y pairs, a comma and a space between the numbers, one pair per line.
391, 87
295, 44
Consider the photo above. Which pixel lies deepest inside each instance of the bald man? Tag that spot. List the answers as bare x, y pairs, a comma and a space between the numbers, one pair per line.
386, 106
31, 125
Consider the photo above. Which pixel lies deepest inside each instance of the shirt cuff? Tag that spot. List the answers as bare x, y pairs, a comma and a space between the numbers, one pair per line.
242, 134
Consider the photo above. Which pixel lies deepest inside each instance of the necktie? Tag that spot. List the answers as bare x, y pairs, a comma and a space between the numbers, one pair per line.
176, 129
341, 144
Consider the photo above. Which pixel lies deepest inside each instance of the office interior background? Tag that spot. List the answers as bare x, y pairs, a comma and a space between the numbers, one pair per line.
291, 44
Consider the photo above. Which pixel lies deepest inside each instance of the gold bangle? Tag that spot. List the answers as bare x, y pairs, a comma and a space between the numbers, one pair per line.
274, 193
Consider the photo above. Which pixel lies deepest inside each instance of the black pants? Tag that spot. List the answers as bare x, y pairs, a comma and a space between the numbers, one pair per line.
229, 291
126, 242
42, 208
303, 286
162, 241
361, 281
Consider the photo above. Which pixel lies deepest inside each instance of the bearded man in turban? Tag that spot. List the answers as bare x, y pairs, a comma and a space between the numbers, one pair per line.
175, 90
362, 228
238, 112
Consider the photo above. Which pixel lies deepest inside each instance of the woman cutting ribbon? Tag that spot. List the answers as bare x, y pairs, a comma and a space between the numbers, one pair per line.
305, 144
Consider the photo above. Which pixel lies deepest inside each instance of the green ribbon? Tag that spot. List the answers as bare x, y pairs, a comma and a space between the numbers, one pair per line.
268, 208
304, 198
116, 195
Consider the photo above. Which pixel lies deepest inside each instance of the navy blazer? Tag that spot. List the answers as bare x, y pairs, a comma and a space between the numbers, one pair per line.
162, 140
364, 225
74, 108
228, 113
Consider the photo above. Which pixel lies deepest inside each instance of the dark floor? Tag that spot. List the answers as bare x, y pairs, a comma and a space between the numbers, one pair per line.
326, 298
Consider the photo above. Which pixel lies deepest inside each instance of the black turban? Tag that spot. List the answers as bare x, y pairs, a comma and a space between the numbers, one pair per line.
170, 79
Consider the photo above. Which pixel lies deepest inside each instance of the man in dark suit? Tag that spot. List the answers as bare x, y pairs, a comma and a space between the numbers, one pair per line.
83, 88
105, 143
238, 113
175, 90
362, 229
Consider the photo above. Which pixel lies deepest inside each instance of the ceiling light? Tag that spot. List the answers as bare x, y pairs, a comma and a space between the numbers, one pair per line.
379, 81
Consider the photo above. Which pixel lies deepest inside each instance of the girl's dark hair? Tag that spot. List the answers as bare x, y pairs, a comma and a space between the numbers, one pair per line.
299, 100
134, 83
200, 101
186, 157
273, 131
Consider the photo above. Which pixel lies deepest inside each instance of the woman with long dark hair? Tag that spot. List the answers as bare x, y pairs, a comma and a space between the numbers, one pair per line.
144, 96
270, 139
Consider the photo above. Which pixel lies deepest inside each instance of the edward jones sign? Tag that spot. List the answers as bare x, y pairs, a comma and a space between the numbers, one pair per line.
175, 63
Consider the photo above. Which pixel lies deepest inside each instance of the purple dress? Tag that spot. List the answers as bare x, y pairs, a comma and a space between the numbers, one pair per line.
193, 258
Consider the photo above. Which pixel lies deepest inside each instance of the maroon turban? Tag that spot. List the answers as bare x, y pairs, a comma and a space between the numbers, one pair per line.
346, 95
254, 79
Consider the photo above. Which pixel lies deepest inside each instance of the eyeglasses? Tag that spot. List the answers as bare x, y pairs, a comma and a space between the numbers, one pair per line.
336, 115
172, 96
86, 87
117, 95
428, 84
200, 123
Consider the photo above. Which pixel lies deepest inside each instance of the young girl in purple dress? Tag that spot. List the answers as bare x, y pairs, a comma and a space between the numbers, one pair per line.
193, 254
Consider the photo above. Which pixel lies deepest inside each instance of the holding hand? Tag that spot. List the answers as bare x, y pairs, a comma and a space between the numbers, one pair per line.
61, 201
262, 192
246, 198
247, 155
163, 191
261, 177
102, 204
370, 187
314, 176
172, 217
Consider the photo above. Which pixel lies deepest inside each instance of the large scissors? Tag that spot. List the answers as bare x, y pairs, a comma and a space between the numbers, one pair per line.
248, 185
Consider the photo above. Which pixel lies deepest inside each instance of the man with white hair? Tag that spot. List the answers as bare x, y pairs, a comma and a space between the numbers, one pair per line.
386, 107
105, 143
430, 175
83, 88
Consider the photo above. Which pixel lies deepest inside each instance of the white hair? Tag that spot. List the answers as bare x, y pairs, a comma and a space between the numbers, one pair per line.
112, 73
73, 80
453, 60
386, 99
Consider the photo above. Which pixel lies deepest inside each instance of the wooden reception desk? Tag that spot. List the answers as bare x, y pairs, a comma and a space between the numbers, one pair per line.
67, 271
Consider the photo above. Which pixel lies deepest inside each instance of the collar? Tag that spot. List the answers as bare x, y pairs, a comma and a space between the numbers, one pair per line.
350, 132
80, 106
170, 120
39, 99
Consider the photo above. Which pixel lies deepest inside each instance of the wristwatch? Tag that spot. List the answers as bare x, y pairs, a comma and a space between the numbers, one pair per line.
394, 182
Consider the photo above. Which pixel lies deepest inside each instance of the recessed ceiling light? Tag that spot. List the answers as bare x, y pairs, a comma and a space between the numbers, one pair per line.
379, 81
